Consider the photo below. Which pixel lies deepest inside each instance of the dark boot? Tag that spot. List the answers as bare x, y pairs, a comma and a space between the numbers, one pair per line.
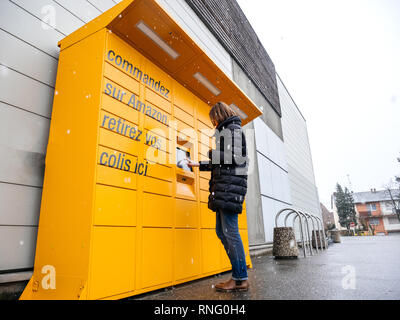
232, 285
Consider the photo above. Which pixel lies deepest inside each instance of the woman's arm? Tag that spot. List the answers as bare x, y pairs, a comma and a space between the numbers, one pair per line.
202, 165
205, 166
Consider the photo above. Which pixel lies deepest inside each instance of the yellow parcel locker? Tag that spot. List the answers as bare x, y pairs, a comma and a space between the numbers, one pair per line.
121, 214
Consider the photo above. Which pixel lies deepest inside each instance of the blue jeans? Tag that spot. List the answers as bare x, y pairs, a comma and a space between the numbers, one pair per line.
227, 229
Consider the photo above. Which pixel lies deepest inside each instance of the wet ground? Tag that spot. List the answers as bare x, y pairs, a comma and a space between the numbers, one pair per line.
357, 268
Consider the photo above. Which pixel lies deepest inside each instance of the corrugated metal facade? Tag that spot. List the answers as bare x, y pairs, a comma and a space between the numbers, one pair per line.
298, 155
29, 32
273, 175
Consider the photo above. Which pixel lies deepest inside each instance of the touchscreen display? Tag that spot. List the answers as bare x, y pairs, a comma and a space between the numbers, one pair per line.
182, 158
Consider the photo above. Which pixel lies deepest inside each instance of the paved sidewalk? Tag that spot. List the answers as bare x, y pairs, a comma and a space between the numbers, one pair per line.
357, 268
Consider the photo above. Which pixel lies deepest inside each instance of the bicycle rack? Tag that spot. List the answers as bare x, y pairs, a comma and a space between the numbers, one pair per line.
310, 216
319, 232
323, 232
301, 227
308, 230
304, 219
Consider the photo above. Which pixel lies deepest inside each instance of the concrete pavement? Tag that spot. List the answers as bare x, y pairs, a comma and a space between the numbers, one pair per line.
357, 268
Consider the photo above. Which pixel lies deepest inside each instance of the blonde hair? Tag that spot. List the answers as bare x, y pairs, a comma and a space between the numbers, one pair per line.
219, 112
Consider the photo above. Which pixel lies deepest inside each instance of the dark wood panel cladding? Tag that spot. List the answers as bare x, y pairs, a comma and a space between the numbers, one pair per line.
230, 26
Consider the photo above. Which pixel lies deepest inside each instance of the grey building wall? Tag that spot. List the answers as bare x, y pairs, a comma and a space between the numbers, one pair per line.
298, 155
28, 68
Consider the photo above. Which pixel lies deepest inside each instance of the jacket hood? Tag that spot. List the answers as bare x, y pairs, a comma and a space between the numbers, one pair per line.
228, 121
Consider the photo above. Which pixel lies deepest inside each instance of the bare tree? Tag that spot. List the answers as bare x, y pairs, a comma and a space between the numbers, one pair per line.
395, 200
393, 190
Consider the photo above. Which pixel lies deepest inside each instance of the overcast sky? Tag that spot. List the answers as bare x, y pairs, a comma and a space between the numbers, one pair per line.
340, 61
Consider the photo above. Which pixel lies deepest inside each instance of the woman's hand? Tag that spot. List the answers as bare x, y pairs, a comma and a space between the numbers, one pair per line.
192, 164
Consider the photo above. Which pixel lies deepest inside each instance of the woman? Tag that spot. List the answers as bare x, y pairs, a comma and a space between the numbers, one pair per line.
228, 187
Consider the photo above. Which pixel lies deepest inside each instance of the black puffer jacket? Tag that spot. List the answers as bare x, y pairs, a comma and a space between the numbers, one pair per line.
228, 165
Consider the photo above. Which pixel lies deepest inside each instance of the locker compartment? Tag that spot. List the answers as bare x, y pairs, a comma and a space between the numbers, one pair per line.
184, 116
185, 129
242, 221
157, 186
203, 158
210, 251
160, 76
155, 99
204, 174
187, 253
113, 140
117, 92
207, 217
160, 127
156, 139
157, 256
205, 126
120, 125
185, 139
154, 113
115, 206
203, 115
116, 107
119, 77
186, 214
204, 196
121, 48
159, 171
185, 185
116, 160
203, 150
115, 177
204, 140
157, 210
184, 99
204, 184
112, 262
157, 155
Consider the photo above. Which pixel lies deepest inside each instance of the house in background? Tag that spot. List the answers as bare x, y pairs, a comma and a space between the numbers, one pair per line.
375, 208
327, 217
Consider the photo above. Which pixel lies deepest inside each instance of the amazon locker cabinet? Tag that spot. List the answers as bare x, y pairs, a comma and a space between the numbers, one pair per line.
121, 214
